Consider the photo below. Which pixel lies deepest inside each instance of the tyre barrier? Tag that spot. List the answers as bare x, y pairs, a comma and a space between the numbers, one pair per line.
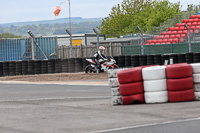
18, 68
58, 66
157, 59
24, 67
1, 69
11, 68
181, 58
31, 67
173, 83
70, 65
180, 82
6, 68
143, 60
196, 57
121, 61
155, 84
78, 65
65, 65
196, 80
189, 58
51, 66
114, 85
44, 66
127, 61
37, 66
135, 60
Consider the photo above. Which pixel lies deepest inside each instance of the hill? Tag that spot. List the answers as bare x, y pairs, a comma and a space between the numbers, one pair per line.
51, 27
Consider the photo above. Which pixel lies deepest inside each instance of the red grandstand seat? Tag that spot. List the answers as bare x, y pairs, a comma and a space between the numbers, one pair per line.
170, 40
162, 37
168, 43
172, 36
166, 37
153, 41
196, 20
171, 29
191, 31
163, 33
148, 41
185, 31
189, 24
175, 40
179, 32
194, 23
177, 36
192, 27
174, 32
198, 27
182, 25
169, 32
198, 16
190, 20
192, 16
184, 21
156, 37
198, 23
159, 41
176, 28
178, 24
181, 28
164, 40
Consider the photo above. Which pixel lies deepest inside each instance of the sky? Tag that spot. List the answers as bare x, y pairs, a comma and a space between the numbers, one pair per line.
34, 10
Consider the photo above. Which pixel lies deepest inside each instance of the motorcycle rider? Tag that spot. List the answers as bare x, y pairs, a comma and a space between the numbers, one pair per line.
99, 55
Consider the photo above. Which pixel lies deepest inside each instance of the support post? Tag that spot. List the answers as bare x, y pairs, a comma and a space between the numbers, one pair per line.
70, 35
189, 39
142, 46
97, 33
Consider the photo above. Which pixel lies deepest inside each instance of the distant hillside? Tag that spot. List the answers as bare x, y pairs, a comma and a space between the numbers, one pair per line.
51, 27
53, 21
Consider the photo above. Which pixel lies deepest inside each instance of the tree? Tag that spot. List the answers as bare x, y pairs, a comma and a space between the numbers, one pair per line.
8, 35
124, 18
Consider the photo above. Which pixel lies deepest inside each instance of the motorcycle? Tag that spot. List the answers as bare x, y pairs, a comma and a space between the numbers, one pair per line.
105, 66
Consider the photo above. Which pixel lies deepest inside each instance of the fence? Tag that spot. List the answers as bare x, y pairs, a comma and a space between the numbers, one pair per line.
113, 49
14, 49
161, 49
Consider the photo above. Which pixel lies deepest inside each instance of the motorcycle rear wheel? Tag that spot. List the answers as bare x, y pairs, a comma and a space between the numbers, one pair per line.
89, 69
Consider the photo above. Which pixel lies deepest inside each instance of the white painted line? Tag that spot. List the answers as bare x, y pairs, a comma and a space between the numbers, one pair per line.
145, 125
61, 98
57, 83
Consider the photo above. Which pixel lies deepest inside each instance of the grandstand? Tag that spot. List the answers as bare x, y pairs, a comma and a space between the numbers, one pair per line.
179, 33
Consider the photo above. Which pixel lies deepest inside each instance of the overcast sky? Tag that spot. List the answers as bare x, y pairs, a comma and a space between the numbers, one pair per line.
33, 10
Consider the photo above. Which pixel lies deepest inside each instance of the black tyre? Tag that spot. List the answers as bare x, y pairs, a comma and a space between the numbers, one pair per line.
78, 65
5, 68
127, 61
89, 69
58, 66
65, 65
189, 58
31, 70
18, 68
157, 59
11, 68
44, 66
181, 58
174, 57
24, 67
1, 69
71, 65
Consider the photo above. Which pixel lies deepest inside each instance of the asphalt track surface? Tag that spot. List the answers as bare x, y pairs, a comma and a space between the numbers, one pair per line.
50, 108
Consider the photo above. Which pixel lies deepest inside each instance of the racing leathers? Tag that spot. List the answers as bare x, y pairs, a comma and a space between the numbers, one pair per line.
97, 56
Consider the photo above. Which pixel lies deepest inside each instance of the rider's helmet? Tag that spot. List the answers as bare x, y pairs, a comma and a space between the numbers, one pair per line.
101, 48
